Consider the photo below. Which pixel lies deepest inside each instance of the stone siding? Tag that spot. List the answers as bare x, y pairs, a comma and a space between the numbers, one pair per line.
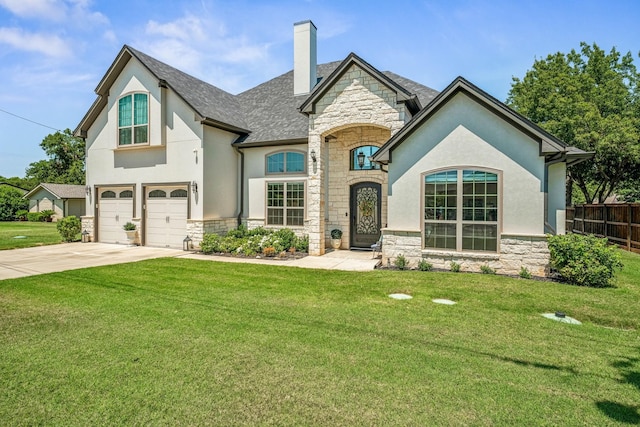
356, 100
87, 223
196, 228
531, 252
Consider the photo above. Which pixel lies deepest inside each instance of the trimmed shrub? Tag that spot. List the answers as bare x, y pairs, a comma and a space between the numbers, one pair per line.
454, 267
525, 273
485, 269
69, 228
210, 243
401, 262
34, 216
584, 260
424, 265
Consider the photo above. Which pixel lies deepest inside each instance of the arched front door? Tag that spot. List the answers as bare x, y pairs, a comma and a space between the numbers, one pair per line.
366, 205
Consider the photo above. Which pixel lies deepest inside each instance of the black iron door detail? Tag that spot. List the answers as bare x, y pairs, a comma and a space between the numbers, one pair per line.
365, 214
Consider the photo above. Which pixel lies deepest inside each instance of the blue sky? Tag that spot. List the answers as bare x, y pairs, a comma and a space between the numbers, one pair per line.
53, 53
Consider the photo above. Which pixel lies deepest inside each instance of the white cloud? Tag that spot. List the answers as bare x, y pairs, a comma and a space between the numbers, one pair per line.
48, 44
47, 9
202, 46
77, 12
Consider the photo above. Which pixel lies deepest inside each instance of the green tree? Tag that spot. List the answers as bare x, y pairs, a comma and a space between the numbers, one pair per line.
590, 100
65, 164
11, 201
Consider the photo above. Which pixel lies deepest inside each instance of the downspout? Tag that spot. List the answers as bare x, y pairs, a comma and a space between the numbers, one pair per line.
241, 207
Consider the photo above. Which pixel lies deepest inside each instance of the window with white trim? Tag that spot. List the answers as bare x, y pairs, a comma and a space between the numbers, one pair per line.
133, 119
285, 203
461, 210
285, 162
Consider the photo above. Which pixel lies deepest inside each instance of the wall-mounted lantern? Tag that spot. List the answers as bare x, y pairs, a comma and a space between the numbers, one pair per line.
194, 187
313, 156
87, 190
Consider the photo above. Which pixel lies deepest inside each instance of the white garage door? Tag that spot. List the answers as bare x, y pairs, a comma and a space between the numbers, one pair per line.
115, 208
166, 222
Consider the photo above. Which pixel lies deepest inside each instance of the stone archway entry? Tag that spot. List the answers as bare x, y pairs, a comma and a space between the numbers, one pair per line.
366, 202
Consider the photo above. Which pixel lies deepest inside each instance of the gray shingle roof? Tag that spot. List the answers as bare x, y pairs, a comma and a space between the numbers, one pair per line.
61, 191
267, 113
209, 101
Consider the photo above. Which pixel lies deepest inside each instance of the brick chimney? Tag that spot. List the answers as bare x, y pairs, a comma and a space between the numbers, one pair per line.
304, 57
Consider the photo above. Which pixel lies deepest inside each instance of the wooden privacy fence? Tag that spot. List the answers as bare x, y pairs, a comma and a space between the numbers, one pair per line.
620, 223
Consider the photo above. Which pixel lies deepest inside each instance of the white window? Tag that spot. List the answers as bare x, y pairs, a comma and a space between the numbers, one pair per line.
133, 119
285, 203
461, 210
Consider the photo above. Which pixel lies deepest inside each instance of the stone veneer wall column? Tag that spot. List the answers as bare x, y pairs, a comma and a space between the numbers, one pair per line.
87, 223
530, 252
315, 196
357, 99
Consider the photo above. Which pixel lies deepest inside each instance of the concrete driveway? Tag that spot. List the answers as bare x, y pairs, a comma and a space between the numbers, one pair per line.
70, 256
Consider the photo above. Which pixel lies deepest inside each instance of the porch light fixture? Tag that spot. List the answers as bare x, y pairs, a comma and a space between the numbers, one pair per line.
313, 156
194, 187
85, 237
360, 157
87, 190
186, 243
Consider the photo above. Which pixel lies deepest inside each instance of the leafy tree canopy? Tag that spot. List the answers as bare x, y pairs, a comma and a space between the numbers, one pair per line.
65, 164
590, 100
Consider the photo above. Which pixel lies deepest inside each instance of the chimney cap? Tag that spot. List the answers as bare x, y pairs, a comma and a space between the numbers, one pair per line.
305, 22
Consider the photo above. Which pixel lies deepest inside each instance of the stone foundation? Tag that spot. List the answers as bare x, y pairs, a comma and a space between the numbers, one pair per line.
516, 252
196, 228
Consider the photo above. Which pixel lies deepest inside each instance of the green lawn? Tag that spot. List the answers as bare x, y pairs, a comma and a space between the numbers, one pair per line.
35, 234
185, 342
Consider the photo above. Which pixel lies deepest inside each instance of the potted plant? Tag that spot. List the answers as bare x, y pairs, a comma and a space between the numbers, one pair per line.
130, 229
47, 215
336, 238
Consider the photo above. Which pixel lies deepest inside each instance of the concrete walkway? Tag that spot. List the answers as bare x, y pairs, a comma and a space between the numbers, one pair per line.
334, 260
70, 256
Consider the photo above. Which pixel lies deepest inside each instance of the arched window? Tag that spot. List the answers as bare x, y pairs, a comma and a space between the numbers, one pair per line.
157, 194
180, 193
126, 194
285, 162
133, 119
461, 210
360, 158
108, 194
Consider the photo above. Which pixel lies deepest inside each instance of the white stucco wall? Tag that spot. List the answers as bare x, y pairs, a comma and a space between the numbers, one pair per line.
557, 197
464, 134
256, 179
221, 181
176, 153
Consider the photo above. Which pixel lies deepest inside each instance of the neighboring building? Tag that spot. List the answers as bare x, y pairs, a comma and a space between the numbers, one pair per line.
178, 156
63, 199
